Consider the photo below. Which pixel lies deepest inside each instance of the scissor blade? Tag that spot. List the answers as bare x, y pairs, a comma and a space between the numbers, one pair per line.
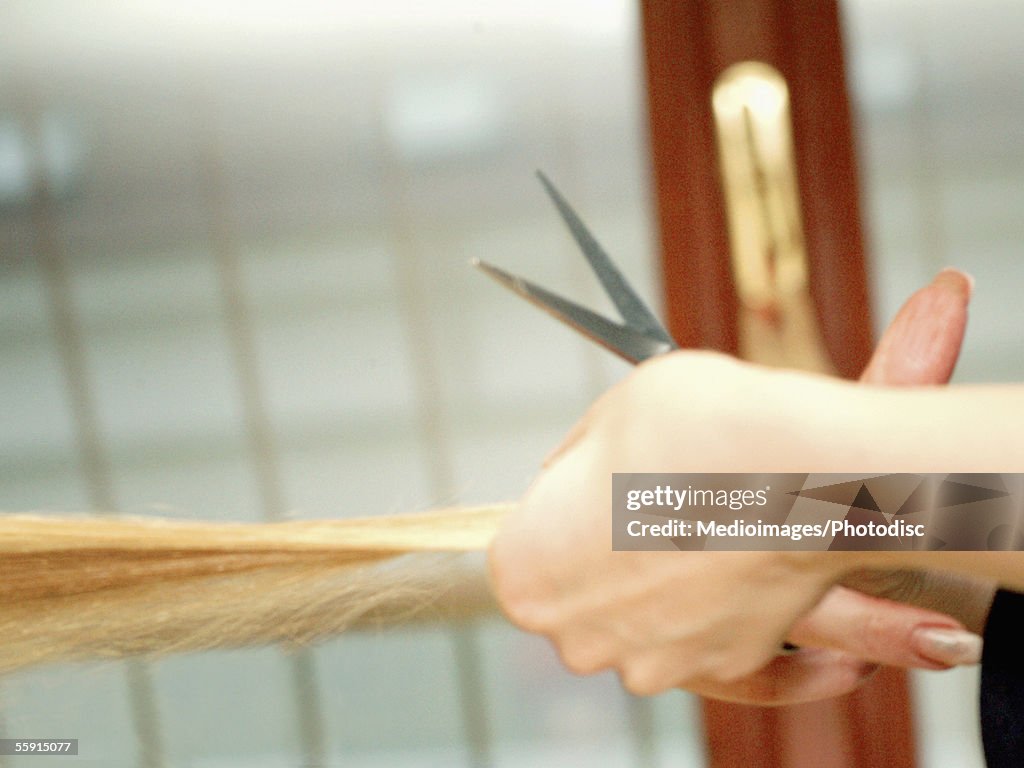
628, 343
630, 306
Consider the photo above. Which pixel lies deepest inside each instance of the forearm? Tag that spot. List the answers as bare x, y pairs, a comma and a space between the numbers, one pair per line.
947, 429
758, 420
700, 412
943, 429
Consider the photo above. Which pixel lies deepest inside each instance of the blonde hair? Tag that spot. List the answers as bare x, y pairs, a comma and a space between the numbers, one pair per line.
102, 587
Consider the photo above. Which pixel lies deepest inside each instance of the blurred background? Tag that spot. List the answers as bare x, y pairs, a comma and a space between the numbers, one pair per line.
233, 285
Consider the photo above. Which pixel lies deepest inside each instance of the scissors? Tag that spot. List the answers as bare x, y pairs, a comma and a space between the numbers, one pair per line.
639, 336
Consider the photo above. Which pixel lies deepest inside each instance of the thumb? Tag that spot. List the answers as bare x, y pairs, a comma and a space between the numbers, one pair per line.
922, 343
886, 632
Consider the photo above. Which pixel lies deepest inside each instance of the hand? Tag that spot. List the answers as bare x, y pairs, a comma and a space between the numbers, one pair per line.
617, 609
919, 347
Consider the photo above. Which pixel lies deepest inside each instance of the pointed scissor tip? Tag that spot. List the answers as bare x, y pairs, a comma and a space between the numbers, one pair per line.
498, 274
507, 279
482, 265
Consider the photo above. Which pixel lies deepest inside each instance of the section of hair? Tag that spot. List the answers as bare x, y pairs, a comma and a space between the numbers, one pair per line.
103, 587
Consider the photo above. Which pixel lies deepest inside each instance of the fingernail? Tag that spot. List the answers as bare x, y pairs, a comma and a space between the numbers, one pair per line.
957, 280
955, 647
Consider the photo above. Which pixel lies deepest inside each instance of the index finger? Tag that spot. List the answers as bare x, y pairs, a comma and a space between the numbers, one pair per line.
886, 632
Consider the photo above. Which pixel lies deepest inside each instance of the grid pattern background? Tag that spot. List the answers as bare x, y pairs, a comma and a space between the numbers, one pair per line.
233, 285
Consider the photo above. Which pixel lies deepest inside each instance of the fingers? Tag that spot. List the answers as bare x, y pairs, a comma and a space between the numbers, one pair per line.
922, 343
842, 636
886, 632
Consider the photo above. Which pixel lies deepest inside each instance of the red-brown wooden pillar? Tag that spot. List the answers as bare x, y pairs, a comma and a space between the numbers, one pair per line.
688, 44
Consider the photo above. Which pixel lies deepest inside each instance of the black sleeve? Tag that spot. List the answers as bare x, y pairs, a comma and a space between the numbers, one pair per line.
1002, 683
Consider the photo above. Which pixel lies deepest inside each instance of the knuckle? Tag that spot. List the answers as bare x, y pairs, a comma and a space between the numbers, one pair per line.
583, 657
523, 611
527, 614
636, 683
642, 679
578, 663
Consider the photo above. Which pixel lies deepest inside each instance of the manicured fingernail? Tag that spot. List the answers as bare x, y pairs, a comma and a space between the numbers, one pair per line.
959, 281
955, 647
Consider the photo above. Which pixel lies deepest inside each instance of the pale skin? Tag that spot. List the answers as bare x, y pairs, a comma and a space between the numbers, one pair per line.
714, 622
